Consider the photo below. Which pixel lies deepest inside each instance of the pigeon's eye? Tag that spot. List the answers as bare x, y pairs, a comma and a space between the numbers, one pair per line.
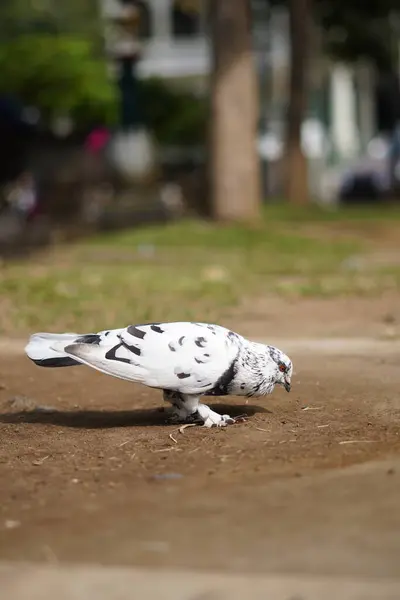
282, 367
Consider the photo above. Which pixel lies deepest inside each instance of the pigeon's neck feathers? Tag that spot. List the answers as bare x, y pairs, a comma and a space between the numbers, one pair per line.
255, 370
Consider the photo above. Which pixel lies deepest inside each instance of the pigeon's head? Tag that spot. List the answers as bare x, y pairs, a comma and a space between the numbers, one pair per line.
283, 367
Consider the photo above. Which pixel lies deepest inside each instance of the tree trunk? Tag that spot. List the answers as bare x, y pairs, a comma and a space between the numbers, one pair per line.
234, 162
297, 191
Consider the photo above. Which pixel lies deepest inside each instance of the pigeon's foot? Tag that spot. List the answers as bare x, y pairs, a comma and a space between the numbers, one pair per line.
188, 410
212, 419
204, 416
221, 421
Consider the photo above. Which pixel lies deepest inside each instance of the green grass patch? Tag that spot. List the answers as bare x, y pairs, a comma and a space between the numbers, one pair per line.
189, 270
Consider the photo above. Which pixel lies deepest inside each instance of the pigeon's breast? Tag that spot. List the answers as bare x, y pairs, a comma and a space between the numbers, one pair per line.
223, 386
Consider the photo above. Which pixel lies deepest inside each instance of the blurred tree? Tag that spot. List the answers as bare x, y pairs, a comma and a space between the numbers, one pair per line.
51, 57
234, 162
59, 75
297, 191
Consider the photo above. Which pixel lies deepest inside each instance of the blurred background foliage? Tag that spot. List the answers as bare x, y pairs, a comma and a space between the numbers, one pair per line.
62, 75
174, 115
58, 75
52, 58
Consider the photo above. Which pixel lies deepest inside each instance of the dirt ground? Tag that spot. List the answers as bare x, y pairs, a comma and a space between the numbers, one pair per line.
309, 484
344, 317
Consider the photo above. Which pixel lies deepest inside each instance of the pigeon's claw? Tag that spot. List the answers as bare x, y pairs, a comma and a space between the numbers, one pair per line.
241, 418
213, 419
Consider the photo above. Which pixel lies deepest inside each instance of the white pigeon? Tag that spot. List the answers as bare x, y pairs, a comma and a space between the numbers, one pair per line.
185, 360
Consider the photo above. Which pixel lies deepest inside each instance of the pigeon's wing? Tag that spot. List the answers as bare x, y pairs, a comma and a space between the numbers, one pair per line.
187, 357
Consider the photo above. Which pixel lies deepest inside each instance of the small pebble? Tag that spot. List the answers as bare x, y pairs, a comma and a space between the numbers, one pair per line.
10, 524
167, 476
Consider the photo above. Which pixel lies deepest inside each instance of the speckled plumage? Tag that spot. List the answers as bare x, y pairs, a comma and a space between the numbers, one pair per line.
186, 360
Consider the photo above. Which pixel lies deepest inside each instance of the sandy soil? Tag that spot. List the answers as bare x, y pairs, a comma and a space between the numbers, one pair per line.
346, 316
309, 484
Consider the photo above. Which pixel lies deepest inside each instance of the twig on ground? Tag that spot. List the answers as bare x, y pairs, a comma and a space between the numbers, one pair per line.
357, 442
124, 443
183, 427
167, 449
40, 461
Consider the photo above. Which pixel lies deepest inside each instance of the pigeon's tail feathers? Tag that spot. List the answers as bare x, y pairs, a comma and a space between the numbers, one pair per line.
47, 349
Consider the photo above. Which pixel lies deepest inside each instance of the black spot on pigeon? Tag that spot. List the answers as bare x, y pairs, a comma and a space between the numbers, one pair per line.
242, 386
221, 388
183, 375
171, 347
207, 355
107, 333
200, 362
135, 350
130, 347
156, 328
180, 341
256, 387
138, 333
200, 342
56, 362
90, 338
111, 354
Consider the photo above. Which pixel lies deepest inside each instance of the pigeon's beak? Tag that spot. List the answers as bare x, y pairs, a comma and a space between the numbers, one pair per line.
287, 385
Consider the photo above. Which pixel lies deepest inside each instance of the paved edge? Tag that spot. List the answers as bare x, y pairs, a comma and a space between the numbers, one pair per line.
343, 346
69, 582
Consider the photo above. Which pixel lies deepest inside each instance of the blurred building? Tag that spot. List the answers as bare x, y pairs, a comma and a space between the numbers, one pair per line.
172, 36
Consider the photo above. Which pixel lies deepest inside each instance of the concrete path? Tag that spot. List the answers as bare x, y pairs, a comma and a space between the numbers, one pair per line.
29, 582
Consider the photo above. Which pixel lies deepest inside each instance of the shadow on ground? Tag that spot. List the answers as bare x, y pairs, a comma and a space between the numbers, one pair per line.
100, 419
